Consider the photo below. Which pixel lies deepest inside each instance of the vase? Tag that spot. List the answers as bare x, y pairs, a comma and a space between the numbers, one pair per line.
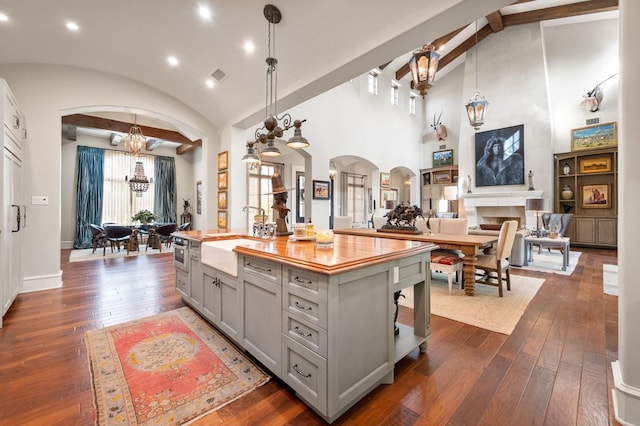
567, 193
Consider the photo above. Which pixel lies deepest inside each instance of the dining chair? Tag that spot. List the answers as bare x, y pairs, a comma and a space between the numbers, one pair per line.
498, 262
449, 261
160, 235
116, 234
97, 235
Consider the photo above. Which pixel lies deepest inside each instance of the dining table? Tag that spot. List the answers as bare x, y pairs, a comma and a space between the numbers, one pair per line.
467, 244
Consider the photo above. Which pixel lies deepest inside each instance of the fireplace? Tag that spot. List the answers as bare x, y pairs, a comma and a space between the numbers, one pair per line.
496, 207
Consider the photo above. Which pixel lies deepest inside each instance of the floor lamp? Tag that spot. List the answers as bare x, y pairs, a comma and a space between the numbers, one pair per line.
535, 205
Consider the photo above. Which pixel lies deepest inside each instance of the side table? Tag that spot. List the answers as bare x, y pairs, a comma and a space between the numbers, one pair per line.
546, 242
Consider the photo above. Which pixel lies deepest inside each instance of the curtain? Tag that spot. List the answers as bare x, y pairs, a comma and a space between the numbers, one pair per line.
90, 172
165, 189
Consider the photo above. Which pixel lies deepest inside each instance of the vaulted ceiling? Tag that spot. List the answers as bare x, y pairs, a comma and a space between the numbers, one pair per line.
319, 46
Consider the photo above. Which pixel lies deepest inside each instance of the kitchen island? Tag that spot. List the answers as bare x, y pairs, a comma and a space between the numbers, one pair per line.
320, 319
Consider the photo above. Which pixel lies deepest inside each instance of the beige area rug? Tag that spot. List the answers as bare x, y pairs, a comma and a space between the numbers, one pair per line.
610, 279
167, 369
485, 309
81, 255
551, 261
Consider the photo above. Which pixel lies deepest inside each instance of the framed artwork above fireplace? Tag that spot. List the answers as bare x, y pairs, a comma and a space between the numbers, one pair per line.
500, 156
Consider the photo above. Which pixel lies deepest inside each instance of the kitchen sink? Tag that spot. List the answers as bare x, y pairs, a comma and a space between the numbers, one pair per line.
220, 255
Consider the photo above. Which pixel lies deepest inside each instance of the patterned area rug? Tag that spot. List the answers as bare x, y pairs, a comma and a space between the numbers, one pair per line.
485, 309
610, 279
80, 255
167, 369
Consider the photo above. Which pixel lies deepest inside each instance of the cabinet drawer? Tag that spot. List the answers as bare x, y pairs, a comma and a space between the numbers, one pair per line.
301, 304
306, 372
308, 334
307, 281
262, 268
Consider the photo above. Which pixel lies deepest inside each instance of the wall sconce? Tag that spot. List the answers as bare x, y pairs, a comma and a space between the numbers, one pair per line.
423, 66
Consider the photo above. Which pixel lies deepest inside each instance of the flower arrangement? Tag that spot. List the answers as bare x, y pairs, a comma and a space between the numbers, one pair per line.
144, 216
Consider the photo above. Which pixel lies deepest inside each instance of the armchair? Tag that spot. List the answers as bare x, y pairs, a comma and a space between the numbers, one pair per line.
115, 235
160, 235
560, 220
97, 235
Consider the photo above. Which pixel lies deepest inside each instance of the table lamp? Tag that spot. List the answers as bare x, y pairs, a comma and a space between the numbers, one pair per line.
536, 205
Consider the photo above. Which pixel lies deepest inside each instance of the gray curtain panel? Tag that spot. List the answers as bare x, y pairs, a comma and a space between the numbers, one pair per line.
88, 194
164, 204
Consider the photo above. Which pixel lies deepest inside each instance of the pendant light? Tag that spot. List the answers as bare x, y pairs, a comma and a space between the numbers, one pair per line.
477, 105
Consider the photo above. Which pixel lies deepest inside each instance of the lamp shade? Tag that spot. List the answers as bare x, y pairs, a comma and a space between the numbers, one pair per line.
450, 193
534, 204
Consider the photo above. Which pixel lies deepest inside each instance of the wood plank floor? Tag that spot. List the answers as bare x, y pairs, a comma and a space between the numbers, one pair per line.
554, 368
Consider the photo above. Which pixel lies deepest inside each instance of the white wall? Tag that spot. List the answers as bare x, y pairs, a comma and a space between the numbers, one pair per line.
43, 92
184, 180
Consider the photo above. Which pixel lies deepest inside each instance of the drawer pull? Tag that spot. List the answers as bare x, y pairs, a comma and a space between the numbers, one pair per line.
302, 333
299, 306
258, 268
297, 370
301, 281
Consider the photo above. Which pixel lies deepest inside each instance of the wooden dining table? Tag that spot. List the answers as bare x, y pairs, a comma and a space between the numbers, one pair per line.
467, 244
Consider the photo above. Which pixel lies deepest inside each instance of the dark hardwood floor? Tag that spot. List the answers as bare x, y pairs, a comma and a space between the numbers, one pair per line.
554, 368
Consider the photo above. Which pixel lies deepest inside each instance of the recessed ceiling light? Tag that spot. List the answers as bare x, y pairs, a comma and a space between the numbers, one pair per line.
204, 12
3, 17
209, 83
173, 61
249, 47
72, 26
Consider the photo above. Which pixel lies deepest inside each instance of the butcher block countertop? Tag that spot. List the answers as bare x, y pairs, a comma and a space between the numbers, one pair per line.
349, 252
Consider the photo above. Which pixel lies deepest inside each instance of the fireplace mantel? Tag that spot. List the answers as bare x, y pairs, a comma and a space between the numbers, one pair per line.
507, 204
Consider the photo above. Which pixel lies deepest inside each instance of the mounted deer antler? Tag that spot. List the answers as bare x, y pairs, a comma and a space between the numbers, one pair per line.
439, 128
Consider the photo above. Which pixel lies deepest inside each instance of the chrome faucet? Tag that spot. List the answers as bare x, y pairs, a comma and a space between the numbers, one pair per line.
259, 230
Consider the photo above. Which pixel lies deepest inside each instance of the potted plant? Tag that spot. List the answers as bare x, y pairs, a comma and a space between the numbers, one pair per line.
144, 216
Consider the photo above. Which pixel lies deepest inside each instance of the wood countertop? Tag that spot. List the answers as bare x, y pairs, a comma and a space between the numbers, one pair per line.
349, 252
440, 239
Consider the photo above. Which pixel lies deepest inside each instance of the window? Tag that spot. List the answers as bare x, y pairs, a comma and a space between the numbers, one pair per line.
394, 94
412, 105
373, 83
119, 203
354, 197
260, 188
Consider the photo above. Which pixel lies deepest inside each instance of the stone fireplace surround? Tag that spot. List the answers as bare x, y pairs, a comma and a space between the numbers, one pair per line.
496, 207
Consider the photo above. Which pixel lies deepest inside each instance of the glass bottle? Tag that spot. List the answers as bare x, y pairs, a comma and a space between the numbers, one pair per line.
310, 230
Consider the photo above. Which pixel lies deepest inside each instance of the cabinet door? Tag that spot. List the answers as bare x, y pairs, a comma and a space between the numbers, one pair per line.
197, 289
229, 314
585, 230
606, 231
211, 302
182, 284
261, 334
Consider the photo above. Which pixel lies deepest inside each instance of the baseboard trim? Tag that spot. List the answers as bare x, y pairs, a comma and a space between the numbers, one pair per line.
626, 399
41, 282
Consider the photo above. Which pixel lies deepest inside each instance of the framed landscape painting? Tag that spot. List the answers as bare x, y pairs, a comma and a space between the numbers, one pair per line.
443, 158
595, 165
320, 190
598, 136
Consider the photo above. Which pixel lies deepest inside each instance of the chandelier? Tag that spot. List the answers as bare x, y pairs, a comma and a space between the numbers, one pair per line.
477, 105
274, 125
423, 65
135, 141
139, 182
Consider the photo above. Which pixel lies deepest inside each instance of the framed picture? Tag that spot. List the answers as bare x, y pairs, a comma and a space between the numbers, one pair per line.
222, 200
385, 179
223, 160
222, 219
426, 178
595, 165
443, 158
300, 197
222, 180
599, 136
441, 177
320, 190
500, 156
199, 197
596, 196
385, 195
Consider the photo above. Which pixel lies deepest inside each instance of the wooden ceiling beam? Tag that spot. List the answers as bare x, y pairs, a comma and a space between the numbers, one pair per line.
483, 33
82, 120
495, 21
556, 12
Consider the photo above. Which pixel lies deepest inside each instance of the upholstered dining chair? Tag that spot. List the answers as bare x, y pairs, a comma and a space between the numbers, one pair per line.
97, 235
116, 234
496, 263
161, 235
449, 261
341, 222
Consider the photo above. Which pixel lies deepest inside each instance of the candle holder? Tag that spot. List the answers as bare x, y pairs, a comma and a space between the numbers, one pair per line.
324, 239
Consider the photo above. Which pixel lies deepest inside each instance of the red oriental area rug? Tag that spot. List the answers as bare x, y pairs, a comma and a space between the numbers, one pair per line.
167, 369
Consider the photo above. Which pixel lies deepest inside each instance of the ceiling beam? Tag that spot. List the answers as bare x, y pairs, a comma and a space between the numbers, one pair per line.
497, 22
81, 120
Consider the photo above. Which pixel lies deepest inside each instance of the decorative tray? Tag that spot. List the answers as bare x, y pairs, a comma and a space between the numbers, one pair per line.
307, 238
